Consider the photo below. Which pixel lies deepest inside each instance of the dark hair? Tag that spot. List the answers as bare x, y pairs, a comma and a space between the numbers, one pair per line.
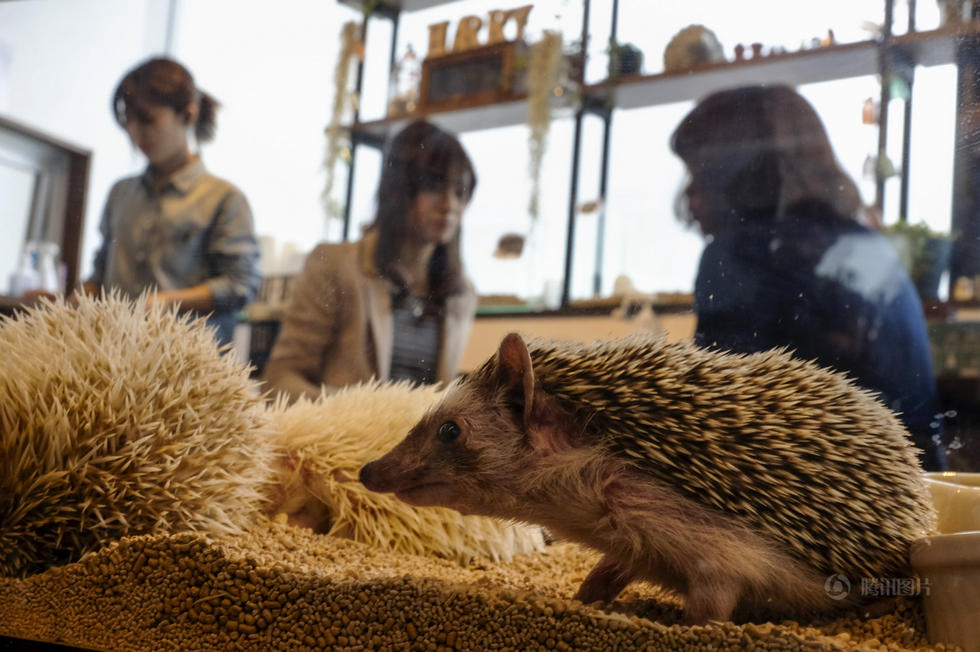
768, 151
421, 157
165, 82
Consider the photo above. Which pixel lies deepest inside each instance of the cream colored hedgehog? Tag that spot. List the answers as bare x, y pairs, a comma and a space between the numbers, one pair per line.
322, 445
116, 420
751, 484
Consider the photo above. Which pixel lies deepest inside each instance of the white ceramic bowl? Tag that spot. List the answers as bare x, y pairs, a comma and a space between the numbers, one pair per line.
948, 563
957, 500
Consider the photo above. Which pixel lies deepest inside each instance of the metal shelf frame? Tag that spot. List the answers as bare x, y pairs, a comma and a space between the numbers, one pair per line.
889, 55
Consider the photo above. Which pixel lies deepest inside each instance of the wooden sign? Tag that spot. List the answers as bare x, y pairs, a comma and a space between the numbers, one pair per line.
475, 76
468, 29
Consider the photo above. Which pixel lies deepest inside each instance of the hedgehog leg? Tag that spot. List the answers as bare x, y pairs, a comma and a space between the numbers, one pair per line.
604, 582
710, 599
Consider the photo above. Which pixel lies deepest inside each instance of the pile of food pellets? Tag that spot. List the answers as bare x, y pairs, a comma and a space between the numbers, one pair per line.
280, 587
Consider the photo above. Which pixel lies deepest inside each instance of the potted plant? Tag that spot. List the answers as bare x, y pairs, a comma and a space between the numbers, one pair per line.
924, 252
624, 59
542, 80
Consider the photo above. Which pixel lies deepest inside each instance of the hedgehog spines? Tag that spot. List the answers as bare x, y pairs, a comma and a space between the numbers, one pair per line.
792, 449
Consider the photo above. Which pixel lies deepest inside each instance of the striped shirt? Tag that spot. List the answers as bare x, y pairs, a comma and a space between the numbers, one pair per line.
415, 350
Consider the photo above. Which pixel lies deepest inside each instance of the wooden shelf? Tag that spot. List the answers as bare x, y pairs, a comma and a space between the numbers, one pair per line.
929, 48
795, 68
407, 6
474, 118
792, 68
936, 47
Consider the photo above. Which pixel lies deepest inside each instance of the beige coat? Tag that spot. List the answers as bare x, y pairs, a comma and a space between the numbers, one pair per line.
338, 331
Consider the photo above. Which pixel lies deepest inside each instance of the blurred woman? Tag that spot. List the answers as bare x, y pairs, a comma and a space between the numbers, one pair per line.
176, 230
395, 305
787, 261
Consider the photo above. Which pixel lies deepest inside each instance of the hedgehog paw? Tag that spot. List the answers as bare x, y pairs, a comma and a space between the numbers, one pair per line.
710, 601
604, 582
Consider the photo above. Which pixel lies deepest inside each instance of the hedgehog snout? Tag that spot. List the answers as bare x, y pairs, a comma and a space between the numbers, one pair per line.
369, 476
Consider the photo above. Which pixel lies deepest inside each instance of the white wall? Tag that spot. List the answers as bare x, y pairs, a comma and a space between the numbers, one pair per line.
65, 58
271, 65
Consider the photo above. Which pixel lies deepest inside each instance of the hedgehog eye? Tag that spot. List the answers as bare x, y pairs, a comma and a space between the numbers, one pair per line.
448, 432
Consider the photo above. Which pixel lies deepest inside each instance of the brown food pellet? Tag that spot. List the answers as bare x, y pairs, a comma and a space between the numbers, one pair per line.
280, 587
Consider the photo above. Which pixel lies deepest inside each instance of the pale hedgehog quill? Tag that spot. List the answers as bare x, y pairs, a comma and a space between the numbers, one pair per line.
740, 481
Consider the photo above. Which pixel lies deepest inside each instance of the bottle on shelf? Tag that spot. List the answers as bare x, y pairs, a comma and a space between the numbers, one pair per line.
26, 277
47, 267
403, 92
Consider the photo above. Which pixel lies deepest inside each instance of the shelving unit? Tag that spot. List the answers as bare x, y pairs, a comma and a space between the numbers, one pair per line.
59, 178
929, 48
899, 54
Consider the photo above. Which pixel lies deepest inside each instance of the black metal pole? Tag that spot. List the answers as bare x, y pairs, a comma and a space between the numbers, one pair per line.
576, 156
572, 201
909, 69
393, 59
966, 159
349, 194
886, 68
600, 241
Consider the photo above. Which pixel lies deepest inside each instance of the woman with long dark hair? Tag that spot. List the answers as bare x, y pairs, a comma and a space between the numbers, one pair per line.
176, 229
787, 260
396, 304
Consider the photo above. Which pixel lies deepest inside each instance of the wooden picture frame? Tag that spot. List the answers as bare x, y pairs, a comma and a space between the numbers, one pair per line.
483, 75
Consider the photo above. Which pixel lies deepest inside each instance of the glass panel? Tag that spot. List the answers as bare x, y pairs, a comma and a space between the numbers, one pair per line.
500, 207
16, 197
588, 215
365, 191
644, 240
374, 90
933, 133
839, 104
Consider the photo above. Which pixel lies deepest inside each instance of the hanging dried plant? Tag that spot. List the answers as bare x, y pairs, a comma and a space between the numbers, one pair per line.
542, 78
338, 136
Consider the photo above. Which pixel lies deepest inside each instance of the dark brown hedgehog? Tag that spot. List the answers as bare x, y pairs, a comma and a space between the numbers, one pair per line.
755, 485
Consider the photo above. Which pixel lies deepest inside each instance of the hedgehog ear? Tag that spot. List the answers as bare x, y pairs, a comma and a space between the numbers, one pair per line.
515, 373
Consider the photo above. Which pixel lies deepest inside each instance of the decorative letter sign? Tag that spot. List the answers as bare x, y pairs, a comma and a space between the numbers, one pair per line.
437, 39
467, 31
